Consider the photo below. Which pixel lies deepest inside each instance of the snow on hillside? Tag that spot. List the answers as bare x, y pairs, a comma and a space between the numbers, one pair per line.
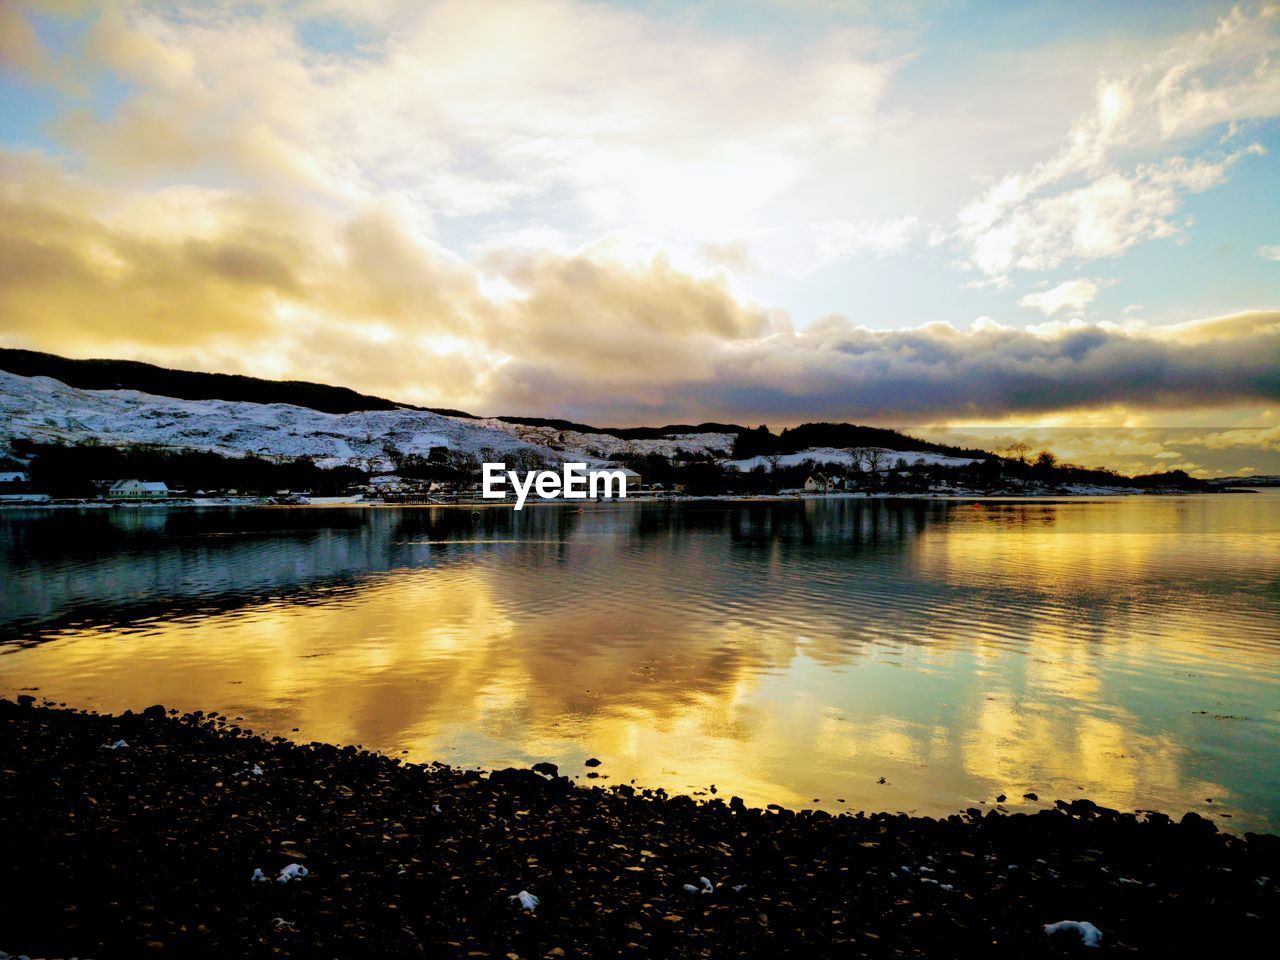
45, 410
846, 457
605, 446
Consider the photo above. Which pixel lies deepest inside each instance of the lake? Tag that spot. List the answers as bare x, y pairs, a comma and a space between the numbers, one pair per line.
1123, 649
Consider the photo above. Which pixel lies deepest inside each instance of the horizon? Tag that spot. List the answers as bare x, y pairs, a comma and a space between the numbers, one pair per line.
955, 220
1128, 448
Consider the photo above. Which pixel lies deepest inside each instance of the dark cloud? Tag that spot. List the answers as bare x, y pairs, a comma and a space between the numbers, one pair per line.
933, 373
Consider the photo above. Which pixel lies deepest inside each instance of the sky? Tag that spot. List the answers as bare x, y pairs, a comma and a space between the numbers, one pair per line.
976, 216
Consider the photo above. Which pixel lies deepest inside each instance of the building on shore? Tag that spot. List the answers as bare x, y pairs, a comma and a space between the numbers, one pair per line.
138, 490
817, 483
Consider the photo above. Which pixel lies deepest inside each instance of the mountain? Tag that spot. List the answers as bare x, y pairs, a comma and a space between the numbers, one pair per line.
45, 398
191, 385
188, 385
43, 410
1256, 480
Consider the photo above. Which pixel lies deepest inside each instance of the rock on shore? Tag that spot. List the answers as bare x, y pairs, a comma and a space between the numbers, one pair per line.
154, 848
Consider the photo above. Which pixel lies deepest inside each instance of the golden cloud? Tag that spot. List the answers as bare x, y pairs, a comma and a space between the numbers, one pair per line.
225, 279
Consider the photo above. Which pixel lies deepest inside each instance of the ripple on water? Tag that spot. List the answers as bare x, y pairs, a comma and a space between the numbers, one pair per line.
785, 650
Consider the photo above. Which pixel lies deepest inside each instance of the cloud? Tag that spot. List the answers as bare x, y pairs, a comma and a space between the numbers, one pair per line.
1271, 252
228, 280
22, 50
937, 372
1111, 213
841, 240
1083, 203
1225, 75
1072, 295
1139, 448
472, 109
250, 200
1267, 438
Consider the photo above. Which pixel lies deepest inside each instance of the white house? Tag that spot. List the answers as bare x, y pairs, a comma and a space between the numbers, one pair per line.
633, 478
817, 483
138, 490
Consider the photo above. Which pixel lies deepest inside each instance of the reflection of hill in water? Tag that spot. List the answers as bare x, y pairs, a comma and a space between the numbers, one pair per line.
66, 568
778, 649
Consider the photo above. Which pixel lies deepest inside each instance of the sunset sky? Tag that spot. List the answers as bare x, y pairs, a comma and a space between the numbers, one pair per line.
1038, 216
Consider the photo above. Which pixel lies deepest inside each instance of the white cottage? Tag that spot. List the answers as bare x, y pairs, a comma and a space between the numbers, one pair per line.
817, 483
138, 490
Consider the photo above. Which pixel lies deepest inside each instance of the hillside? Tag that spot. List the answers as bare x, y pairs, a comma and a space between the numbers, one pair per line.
192, 385
41, 413
43, 410
1247, 480
46, 398
186, 384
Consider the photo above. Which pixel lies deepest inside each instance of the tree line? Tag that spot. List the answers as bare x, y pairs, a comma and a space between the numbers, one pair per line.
81, 470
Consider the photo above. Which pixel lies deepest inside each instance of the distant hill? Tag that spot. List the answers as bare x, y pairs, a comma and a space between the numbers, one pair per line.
51, 403
627, 433
844, 435
1260, 480
190, 385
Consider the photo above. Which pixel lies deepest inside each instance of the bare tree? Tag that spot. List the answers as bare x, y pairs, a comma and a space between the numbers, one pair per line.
525, 459
1017, 451
870, 459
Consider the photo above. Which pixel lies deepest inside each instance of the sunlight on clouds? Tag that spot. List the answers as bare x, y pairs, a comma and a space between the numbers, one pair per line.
1112, 213
1073, 295
372, 302
601, 212
1023, 224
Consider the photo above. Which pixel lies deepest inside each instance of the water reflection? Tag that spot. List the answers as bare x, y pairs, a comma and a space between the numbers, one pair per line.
784, 652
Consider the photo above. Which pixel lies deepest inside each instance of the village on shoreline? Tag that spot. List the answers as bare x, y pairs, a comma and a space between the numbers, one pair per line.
453, 479
289, 499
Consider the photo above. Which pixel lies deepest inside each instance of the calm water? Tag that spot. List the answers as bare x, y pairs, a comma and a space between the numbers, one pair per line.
1123, 649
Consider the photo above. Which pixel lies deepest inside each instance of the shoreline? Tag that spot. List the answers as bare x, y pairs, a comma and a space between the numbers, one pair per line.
859, 496
148, 850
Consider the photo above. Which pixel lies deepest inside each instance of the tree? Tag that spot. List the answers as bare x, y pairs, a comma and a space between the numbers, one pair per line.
1017, 451
754, 443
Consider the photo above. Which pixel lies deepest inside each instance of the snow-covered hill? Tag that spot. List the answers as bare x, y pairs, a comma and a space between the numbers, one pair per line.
43, 409
846, 457
1245, 480
606, 446
46, 410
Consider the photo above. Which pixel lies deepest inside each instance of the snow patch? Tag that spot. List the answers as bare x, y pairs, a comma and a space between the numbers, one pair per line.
528, 902
47, 411
847, 457
1089, 935
294, 871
